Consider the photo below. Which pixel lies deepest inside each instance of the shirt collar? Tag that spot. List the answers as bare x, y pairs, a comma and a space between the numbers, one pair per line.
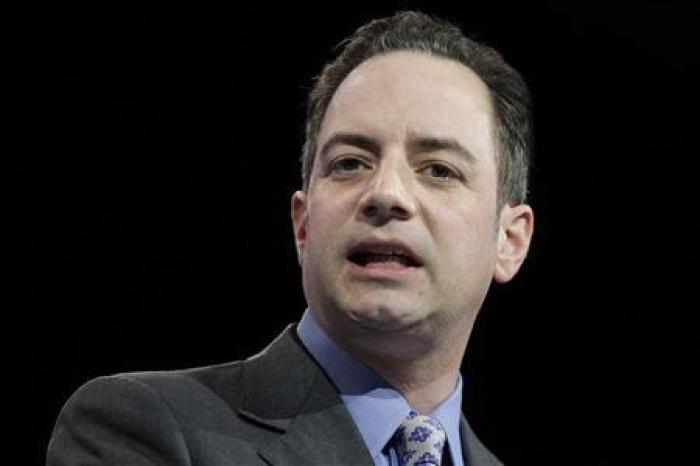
374, 405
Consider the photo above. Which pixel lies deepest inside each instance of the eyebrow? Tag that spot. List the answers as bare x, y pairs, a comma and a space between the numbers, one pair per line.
350, 139
434, 144
420, 143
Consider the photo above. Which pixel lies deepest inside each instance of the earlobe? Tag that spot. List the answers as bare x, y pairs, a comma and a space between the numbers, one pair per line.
299, 222
514, 236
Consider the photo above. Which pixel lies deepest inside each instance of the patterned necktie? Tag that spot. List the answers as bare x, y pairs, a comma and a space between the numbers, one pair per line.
419, 441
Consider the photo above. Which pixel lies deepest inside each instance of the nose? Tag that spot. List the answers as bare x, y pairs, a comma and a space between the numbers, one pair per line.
387, 197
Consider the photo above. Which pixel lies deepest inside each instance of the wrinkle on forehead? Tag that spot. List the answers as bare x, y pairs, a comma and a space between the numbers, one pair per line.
392, 96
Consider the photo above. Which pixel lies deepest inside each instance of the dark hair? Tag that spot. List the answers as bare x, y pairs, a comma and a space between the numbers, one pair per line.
416, 31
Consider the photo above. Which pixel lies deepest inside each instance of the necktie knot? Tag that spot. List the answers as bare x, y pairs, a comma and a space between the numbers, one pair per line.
419, 441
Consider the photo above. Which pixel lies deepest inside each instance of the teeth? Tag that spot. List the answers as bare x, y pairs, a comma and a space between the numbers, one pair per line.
373, 257
380, 253
384, 254
387, 253
364, 258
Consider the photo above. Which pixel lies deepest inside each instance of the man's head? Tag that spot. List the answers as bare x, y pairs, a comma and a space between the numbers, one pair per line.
399, 228
419, 32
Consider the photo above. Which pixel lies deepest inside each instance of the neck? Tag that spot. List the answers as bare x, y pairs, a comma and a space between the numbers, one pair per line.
422, 367
424, 383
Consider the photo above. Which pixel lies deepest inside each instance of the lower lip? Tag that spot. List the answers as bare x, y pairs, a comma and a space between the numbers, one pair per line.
381, 270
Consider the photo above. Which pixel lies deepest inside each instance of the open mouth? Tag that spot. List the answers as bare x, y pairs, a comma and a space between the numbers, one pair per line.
366, 258
383, 254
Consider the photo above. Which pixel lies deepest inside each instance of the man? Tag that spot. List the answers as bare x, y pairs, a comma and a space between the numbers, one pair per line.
415, 173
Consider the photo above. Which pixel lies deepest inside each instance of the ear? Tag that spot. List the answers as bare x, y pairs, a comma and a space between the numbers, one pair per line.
299, 221
514, 234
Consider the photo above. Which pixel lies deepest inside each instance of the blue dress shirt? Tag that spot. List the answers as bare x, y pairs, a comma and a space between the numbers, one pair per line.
376, 407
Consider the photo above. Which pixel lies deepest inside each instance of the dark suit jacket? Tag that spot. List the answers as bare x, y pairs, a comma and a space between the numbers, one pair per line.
277, 407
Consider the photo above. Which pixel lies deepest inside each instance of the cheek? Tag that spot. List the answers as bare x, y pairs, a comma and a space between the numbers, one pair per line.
468, 242
469, 264
324, 232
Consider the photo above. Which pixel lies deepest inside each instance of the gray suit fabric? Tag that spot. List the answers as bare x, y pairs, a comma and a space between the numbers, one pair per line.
277, 407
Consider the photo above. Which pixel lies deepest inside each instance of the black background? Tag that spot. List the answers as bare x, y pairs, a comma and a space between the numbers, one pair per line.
154, 225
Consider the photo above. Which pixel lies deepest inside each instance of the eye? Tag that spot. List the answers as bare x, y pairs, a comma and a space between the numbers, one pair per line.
440, 171
347, 164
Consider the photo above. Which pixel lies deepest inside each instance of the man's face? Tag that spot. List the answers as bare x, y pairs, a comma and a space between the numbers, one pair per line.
399, 227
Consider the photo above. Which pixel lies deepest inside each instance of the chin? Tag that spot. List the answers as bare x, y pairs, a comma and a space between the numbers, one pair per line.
382, 316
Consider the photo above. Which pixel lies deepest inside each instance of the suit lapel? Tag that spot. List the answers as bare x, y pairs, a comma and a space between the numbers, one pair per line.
473, 451
322, 437
285, 391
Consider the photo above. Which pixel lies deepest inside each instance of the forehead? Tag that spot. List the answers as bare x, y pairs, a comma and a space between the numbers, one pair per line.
392, 96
